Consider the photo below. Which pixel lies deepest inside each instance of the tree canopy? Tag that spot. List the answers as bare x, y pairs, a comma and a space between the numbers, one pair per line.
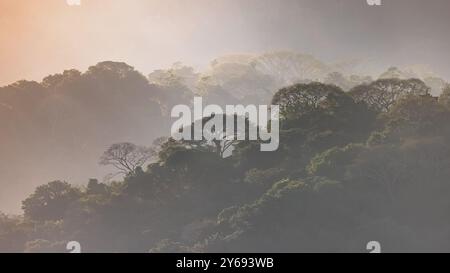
352, 167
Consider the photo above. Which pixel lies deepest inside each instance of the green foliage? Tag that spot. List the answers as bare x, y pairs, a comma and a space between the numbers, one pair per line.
288, 217
332, 163
348, 170
380, 95
300, 99
263, 177
415, 116
50, 201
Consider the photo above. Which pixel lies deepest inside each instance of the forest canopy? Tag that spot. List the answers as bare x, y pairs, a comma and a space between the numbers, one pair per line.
360, 159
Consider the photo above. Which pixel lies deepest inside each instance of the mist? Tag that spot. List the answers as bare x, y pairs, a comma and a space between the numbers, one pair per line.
78, 82
42, 37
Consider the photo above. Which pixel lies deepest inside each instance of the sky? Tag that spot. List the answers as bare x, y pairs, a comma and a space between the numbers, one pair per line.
41, 37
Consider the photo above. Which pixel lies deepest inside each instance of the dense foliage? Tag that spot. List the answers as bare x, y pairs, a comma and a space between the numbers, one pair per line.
352, 167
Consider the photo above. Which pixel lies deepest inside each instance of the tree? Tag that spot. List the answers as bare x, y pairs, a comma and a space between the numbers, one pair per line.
417, 116
178, 75
288, 67
126, 157
332, 162
237, 79
94, 187
395, 73
220, 140
380, 95
299, 99
50, 201
444, 98
337, 79
224, 141
12, 233
293, 215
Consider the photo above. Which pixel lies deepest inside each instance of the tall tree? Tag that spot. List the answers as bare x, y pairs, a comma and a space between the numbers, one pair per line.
380, 95
299, 99
126, 157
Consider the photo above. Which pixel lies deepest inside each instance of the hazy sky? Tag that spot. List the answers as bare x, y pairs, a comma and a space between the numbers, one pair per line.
39, 37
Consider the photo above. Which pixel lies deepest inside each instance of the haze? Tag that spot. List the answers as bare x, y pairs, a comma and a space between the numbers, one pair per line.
43, 37
38, 38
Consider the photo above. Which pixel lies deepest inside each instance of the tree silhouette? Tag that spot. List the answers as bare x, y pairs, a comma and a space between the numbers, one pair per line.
126, 157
